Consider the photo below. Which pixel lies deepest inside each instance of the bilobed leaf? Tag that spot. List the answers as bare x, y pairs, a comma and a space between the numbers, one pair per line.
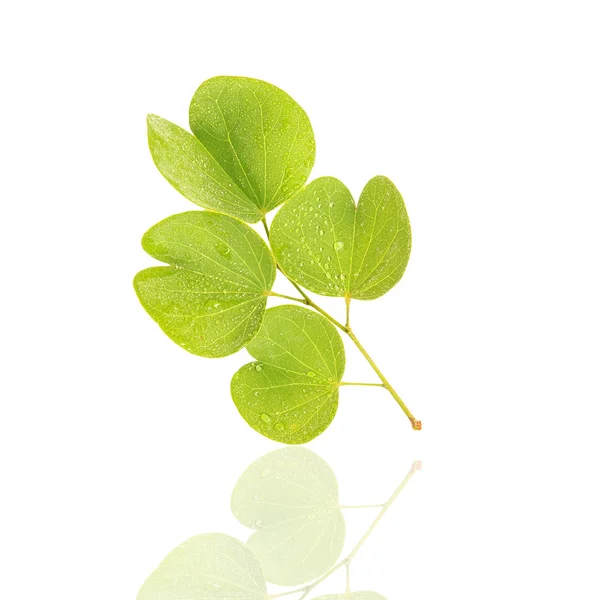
213, 566
253, 148
290, 394
352, 596
212, 299
334, 248
191, 170
259, 135
290, 496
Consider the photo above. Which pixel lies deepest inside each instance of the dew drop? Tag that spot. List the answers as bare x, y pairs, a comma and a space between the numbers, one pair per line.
331, 203
321, 232
311, 374
265, 417
279, 426
265, 473
259, 368
339, 246
258, 523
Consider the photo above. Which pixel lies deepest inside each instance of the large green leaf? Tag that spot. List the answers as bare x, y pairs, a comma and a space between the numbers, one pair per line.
334, 248
253, 148
290, 496
213, 566
352, 596
259, 135
291, 393
212, 299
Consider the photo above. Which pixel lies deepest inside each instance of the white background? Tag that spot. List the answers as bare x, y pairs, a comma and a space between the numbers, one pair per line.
117, 445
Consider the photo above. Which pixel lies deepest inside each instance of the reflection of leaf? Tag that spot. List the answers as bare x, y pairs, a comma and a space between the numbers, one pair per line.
211, 301
334, 248
213, 566
290, 496
352, 596
258, 134
291, 393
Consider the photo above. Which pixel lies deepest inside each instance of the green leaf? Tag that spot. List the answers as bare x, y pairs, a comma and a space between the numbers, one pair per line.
290, 496
327, 244
259, 135
352, 596
191, 170
291, 393
207, 567
212, 299
253, 148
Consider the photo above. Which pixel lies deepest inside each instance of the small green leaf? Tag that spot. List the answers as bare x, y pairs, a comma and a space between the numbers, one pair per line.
290, 496
191, 170
291, 393
258, 134
327, 244
207, 567
352, 596
212, 299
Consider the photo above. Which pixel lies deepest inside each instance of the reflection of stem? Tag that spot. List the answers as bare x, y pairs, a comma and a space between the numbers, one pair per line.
307, 589
348, 331
347, 578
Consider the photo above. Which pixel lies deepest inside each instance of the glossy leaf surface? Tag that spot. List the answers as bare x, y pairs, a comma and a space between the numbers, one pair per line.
259, 135
253, 147
191, 170
212, 298
326, 243
290, 394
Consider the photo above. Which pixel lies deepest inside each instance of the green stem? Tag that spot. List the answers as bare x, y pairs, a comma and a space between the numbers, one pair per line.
286, 297
347, 312
416, 425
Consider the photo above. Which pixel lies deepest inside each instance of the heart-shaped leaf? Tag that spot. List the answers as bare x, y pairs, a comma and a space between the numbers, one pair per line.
253, 147
291, 393
353, 596
290, 496
212, 299
213, 566
334, 248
